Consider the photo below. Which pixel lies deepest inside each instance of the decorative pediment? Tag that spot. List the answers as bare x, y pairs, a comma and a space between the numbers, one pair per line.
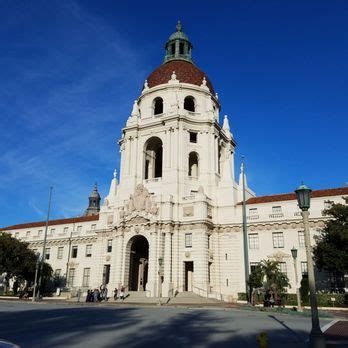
279, 256
139, 202
137, 219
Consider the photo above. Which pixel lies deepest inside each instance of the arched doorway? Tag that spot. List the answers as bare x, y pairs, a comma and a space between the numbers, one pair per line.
138, 263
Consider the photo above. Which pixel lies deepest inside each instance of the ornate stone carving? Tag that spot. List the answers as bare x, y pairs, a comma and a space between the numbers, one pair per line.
140, 201
188, 211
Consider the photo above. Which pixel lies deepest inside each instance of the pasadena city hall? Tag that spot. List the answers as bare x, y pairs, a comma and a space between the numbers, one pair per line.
173, 221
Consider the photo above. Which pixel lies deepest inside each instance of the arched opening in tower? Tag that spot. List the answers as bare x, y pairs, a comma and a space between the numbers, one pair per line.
193, 164
189, 104
153, 158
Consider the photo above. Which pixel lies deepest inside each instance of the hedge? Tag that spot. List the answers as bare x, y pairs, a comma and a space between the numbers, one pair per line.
324, 300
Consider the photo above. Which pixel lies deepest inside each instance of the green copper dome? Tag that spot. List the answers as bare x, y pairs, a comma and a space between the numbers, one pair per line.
178, 46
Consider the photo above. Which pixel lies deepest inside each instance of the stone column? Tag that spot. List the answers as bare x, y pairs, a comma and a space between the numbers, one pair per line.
151, 285
167, 283
118, 253
201, 263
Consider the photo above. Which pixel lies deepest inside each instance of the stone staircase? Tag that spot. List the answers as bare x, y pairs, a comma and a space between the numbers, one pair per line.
188, 297
139, 297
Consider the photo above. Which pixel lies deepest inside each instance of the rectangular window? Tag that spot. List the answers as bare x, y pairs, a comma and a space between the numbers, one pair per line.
252, 211
89, 250
66, 229
53, 230
226, 282
60, 252
253, 241
282, 267
17, 235
277, 210
106, 274
79, 228
93, 227
39, 233
253, 266
28, 234
74, 252
193, 137
109, 246
47, 253
58, 272
301, 239
226, 256
278, 240
71, 277
188, 240
86, 276
304, 269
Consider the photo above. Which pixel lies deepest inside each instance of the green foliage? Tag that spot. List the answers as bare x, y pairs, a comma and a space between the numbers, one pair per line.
256, 277
324, 300
17, 260
267, 276
331, 250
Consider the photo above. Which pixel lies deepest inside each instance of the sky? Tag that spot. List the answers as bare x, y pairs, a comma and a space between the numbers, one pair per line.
70, 71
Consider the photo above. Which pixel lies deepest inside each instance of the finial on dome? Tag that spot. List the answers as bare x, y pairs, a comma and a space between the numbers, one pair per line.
135, 110
173, 77
115, 173
146, 85
216, 96
178, 26
204, 81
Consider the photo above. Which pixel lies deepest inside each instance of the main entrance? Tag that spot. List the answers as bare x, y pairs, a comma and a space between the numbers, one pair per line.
138, 263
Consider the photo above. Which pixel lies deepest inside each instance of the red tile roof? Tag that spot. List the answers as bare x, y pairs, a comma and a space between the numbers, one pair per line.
340, 191
51, 222
185, 72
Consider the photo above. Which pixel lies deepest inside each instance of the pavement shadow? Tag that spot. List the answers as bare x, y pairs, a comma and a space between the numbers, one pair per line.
109, 326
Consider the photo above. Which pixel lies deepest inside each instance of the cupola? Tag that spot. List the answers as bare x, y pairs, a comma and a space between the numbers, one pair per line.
178, 46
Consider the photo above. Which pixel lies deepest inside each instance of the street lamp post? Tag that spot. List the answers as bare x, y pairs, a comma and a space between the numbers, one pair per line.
160, 263
36, 272
294, 256
316, 337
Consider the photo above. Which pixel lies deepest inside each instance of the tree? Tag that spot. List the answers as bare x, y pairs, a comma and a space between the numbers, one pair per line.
331, 249
17, 260
255, 281
268, 276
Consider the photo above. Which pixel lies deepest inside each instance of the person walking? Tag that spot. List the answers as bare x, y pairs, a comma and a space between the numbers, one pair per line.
122, 293
115, 294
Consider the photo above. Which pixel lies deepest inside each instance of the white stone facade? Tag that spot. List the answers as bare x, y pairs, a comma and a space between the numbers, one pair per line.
174, 222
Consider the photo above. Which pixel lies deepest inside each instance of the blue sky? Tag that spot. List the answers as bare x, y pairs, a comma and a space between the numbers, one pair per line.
70, 71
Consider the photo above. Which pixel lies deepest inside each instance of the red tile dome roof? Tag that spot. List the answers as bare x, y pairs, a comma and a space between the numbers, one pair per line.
186, 72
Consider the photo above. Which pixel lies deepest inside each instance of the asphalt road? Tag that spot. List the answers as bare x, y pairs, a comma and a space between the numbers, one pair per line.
98, 325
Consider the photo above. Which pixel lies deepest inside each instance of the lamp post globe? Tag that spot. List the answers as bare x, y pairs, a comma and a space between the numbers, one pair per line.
303, 195
294, 253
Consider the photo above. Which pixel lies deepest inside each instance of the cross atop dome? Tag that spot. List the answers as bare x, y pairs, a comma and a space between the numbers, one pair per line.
178, 46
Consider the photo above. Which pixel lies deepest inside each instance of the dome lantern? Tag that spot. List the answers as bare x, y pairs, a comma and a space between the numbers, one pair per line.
178, 46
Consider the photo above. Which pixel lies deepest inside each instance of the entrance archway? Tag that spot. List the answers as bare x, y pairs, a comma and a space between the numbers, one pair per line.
138, 247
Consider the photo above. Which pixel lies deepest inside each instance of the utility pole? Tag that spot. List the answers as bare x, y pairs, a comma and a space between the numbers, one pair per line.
43, 255
245, 236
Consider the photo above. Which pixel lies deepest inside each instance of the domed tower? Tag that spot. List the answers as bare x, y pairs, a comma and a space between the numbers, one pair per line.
93, 202
173, 142
176, 178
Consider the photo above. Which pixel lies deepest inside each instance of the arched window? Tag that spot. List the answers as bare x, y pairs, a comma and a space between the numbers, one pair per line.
153, 158
193, 164
158, 106
189, 104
